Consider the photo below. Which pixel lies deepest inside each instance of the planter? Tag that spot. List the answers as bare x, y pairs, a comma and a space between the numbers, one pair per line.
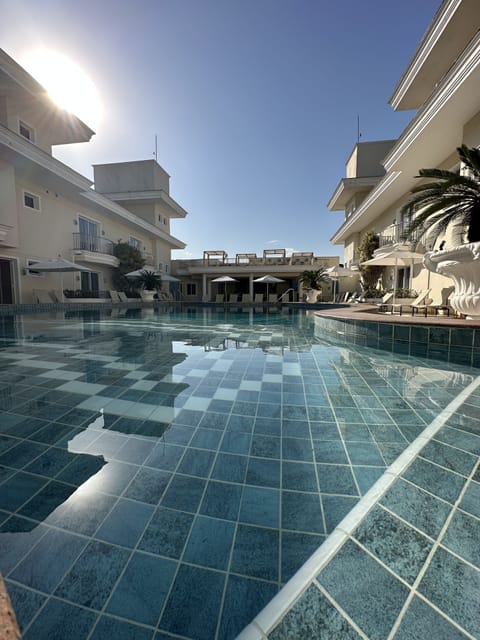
313, 295
462, 265
148, 295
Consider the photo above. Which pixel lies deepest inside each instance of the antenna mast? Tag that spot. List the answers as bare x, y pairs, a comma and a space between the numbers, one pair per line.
155, 152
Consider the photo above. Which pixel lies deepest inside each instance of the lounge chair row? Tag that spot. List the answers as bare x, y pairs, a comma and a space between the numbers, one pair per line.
421, 304
246, 297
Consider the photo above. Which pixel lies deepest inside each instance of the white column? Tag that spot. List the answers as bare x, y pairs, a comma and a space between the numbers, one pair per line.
204, 288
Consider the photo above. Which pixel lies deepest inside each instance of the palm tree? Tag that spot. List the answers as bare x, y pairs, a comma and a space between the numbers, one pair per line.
314, 279
452, 197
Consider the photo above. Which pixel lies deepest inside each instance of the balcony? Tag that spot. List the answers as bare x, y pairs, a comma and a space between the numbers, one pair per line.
95, 249
394, 234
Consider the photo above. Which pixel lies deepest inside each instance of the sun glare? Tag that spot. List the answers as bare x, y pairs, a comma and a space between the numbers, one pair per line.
67, 84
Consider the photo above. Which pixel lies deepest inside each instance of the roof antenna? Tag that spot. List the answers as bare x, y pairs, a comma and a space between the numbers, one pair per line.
155, 152
359, 135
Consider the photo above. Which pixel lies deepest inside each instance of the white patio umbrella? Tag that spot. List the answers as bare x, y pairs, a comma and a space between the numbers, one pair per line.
394, 258
335, 273
225, 280
59, 265
139, 272
268, 280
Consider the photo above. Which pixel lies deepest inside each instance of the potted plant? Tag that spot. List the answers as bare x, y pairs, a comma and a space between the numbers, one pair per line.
150, 282
451, 200
312, 281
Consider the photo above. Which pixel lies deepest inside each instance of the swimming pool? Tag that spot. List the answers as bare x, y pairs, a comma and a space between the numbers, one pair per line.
164, 474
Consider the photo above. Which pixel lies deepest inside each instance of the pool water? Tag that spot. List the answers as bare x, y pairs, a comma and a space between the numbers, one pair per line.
164, 475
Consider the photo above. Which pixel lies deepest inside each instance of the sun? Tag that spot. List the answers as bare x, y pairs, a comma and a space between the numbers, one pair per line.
67, 84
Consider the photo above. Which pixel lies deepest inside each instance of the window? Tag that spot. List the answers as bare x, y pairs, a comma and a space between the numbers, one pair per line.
135, 243
89, 234
26, 131
89, 281
191, 288
31, 201
165, 221
159, 218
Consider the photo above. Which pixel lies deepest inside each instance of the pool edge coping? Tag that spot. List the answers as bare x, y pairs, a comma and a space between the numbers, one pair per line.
272, 614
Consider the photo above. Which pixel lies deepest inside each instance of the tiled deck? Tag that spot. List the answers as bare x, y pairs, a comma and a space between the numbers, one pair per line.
404, 563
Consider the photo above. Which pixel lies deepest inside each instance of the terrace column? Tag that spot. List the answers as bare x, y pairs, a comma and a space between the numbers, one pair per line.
204, 288
250, 285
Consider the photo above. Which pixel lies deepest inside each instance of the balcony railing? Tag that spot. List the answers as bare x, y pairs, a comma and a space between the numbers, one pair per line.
95, 244
395, 233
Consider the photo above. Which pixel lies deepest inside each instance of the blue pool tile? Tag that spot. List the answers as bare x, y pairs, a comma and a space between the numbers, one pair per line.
324, 431
193, 606
46, 500
189, 418
134, 450
113, 478
148, 485
260, 506
366, 477
184, 493
417, 507
460, 600
49, 560
265, 446
335, 508
253, 594
196, 462
81, 469
234, 442
442, 483
61, 621
210, 543
302, 512
255, 552
93, 575
313, 616
26, 603
397, 545
299, 476
166, 533
50, 463
364, 453
212, 420
449, 457
471, 499
165, 456
125, 523
297, 449
230, 467
334, 478
268, 426
83, 512
263, 472
206, 439
421, 622
18, 489
349, 576
13, 547
221, 500
463, 537
108, 627
296, 549
142, 590
330, 451
22, 454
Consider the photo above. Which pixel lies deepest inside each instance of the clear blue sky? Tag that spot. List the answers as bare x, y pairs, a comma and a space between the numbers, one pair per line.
254, 102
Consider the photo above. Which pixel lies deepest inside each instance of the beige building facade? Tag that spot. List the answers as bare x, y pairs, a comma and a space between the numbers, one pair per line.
441, 85
47, 209
197, 276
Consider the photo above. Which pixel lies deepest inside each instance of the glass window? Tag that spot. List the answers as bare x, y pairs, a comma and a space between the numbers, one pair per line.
191, 288
26, 131
135, 243
31, 201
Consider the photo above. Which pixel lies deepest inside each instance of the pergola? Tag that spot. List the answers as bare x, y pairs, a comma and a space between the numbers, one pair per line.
274, 256
245, 258
211, 258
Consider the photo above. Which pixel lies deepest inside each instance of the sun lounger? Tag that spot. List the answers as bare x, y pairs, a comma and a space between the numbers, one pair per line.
122, 296
114, 296
233, 297
383, 305
219, 298
42, 296
246, 297
258, 297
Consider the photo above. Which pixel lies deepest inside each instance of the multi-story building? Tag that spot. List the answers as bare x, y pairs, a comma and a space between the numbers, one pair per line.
441, 84
198, 276
48, 209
